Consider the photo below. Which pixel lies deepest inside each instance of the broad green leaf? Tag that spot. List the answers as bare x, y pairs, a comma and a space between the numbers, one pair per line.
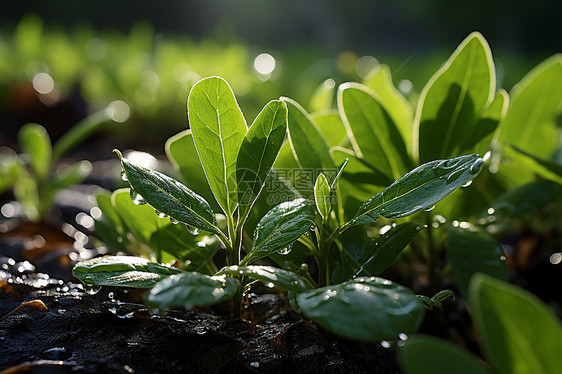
399, 109
545, 168
218, 129
71, 175
452, 101
269, 276
519, 333
280, 227
330, 124
426, 354
372, 131
35, 141
322, 197
188, 290
161, 235
323, 96
182, 154
530, 121
309, 146
121, 271
419, 189
364, 309
258, 152
365, 256
529, 198
471, 252
170, 197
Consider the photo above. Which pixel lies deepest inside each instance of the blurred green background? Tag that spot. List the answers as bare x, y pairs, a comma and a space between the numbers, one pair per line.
60, 60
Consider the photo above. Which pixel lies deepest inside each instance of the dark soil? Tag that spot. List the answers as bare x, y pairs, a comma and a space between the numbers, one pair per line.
49, 324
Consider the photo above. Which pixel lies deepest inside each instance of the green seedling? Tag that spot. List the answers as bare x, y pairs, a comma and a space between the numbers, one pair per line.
344, 295
33, 174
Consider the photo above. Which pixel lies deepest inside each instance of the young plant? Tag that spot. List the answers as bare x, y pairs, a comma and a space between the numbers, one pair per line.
237, 163
32, 174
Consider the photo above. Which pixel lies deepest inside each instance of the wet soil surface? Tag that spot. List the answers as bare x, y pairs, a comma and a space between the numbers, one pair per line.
49, 324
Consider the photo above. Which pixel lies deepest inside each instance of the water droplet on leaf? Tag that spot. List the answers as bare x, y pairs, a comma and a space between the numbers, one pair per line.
160, 214
475, 168
429, 209
286, 251
174, 221
137, 198
124, 176
91, 289
193, 230
467, 184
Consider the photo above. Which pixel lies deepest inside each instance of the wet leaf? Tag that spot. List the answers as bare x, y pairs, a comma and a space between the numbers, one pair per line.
419, 189
280, 227
364, 309
519, 333
188, 290
269, 276
218, 129
372, 131
258, 152
452, 101
121, 271
471, 252
427, 354
170, 197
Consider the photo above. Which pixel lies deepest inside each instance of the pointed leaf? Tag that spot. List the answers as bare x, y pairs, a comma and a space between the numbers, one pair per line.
372, 131
258, 153
545, 168
519, 333
427, 354
471, 252
280, 227
188, 290
170, 197
419, 189
122, 271
364, 309
269, 275
330, 124
218, 129
322, 197
451, 102
35, 141
399, 109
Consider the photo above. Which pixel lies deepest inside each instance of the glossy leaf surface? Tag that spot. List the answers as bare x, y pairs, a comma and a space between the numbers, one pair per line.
364, 309
170, 197
218, 129
269, 276
280, 227
188, 290
419, 189
519, 333
121, 271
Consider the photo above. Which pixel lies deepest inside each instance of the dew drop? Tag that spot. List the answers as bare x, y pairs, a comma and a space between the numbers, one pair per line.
467, 184
137, 198
174, 221
160, 214
255, 364
475, 168
124, 176
193, 230
429, 209
111, 295
91, 290
286, 251
385, 344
